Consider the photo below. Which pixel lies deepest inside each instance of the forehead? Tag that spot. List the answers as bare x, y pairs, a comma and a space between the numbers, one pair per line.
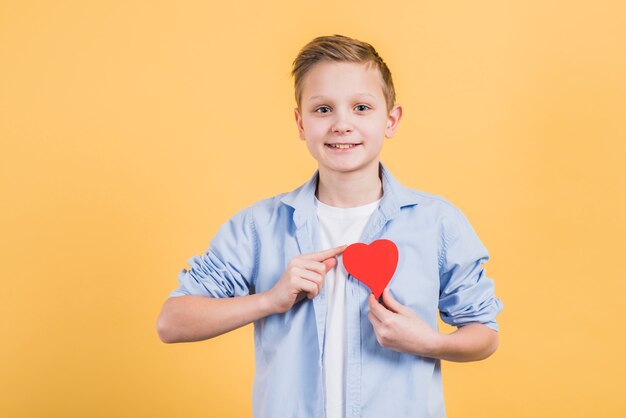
330, 79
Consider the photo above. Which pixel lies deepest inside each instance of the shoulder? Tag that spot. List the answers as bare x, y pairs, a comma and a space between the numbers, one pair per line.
433, 204
415, 201
438, 212
430, 199
264, 211
451, 221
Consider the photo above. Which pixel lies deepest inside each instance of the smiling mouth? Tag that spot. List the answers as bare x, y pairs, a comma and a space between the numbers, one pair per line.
342, 146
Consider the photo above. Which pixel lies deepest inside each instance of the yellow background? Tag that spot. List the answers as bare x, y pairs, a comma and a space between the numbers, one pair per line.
130, 131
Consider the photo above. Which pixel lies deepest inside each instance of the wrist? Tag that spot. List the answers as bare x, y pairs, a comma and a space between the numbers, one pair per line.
265, 303
437, 345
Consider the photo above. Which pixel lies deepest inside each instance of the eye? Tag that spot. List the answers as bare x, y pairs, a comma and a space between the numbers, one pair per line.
323, 109
362, 107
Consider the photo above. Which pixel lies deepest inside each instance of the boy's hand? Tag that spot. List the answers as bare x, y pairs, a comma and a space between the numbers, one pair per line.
400, 329
303, 277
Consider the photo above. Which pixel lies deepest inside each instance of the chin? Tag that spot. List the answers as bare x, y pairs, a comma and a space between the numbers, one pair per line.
348, 167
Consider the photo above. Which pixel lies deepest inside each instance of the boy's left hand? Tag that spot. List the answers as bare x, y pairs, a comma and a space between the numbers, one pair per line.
400, 329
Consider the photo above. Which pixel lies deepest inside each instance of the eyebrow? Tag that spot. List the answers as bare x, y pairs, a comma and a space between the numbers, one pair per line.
356, 95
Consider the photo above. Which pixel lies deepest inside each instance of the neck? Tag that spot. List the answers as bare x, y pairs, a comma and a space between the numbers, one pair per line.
348, 190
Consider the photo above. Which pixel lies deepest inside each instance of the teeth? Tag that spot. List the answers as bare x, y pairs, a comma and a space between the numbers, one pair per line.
342, 146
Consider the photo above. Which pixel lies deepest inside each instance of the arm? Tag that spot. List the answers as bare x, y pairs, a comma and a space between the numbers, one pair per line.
470, 342
197, 318
400, 329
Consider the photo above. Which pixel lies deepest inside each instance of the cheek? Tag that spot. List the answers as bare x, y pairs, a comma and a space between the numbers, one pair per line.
314, 130
376, 129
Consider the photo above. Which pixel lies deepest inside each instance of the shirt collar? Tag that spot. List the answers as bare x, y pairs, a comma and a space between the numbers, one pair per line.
395, 197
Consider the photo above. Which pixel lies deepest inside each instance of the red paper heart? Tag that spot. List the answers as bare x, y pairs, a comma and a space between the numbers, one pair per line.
372, 264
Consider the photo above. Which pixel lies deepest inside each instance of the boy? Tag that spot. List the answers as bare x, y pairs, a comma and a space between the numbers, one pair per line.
324, 346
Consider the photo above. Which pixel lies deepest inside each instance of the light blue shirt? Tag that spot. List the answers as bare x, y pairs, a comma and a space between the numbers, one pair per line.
440, 270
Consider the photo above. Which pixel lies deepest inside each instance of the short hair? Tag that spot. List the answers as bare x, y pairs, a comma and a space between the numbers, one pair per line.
339, 48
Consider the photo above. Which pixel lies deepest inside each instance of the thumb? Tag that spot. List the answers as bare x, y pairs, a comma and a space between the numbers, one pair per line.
391, 304
330, 263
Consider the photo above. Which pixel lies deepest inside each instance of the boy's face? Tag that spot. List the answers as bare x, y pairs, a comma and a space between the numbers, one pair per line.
343, 117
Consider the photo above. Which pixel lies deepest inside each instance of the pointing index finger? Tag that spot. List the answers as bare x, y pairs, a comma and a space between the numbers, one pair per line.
326, 254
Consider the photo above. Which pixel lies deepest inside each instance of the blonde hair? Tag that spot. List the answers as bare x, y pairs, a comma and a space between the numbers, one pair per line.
339, 48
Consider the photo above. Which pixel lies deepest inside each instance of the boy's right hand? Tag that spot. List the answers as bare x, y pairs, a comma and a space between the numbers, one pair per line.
303, 277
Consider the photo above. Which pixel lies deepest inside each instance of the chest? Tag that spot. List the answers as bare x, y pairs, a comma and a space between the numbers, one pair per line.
416, 280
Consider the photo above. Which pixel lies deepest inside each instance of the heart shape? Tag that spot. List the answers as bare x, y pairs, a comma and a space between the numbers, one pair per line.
372, 264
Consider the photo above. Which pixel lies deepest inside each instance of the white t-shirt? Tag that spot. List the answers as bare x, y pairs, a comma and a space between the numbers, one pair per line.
338, 226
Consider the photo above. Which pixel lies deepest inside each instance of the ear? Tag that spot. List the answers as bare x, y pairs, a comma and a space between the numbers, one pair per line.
299, 123
393, 119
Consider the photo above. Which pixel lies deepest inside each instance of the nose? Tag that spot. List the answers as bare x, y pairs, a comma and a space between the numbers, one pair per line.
342, 124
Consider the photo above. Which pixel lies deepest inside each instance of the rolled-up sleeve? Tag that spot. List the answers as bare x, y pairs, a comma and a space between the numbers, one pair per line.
227, 268
466, 293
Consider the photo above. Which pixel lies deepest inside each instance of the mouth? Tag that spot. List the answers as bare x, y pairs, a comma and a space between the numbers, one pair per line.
342, 146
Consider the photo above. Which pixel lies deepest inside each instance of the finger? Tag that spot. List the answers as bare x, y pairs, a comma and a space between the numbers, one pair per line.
323, 255
315, 266
307, 280
320, 267
309, 287
300, 296
312, 276
390, 303
329, 263
375, 321
378, 310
